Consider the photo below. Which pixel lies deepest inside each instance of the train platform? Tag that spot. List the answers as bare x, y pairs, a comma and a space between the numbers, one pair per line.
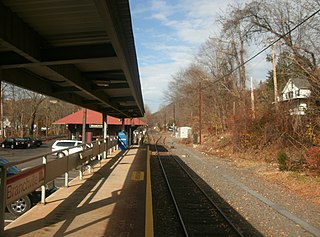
112, 200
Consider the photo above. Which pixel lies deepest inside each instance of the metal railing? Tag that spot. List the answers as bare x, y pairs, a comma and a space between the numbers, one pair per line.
49, 168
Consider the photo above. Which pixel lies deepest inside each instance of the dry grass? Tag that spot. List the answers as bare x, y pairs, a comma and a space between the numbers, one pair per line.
300, 183
305, 184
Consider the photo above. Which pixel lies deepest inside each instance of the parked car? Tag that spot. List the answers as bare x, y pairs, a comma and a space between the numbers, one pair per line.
37, 141
60, 147
34, 141
14, 142
25, 203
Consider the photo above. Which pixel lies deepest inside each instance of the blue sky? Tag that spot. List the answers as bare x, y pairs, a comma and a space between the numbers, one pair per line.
168, 34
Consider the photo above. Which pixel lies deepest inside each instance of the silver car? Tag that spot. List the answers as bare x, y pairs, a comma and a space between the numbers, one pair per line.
66, 147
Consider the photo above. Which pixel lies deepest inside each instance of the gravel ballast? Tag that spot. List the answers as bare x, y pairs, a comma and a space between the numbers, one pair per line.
269, 207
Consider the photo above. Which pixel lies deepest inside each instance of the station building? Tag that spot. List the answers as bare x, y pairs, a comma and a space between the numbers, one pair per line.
94, 125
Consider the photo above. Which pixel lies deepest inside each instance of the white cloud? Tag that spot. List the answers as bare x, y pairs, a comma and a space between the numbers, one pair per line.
188, 26
155, 78
168, 36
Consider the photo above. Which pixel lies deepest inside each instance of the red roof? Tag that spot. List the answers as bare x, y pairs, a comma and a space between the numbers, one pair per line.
94, 117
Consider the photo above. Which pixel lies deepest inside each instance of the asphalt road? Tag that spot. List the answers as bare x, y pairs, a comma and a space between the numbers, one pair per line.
14, 155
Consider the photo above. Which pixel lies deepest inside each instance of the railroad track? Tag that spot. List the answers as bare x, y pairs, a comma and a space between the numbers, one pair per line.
196, 212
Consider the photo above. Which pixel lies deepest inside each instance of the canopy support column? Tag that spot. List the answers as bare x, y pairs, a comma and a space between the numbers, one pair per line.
105, 134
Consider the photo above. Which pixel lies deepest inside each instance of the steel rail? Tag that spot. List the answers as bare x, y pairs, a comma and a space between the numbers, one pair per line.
171, 192
209, 199
202, 191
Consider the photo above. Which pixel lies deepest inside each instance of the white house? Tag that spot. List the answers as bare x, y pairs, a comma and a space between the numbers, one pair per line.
296, 92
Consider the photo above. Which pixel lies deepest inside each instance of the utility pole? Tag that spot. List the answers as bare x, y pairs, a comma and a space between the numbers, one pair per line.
275, 82
174, 118
200, 114
165, 121
252, 99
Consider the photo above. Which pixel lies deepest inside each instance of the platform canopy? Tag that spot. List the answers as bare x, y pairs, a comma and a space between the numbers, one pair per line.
93, 117
78, 51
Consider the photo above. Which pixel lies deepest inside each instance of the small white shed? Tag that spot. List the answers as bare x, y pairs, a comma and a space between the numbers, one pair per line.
184, 132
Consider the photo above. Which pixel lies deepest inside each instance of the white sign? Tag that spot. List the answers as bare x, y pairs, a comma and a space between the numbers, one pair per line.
95, 125
24, 183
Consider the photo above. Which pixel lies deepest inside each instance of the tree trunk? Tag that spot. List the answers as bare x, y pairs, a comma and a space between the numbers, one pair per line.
33, 119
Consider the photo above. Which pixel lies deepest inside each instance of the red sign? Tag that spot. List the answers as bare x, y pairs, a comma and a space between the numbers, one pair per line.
24, 183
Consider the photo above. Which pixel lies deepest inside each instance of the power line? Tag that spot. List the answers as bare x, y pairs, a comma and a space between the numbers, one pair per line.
270, 45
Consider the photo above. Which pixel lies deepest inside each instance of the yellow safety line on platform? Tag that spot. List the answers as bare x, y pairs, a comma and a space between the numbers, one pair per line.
149, 208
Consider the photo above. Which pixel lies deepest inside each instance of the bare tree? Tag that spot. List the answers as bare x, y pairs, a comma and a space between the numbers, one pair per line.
35, 102
16, 108
25, 109
298, 28
237, 32
219, 75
